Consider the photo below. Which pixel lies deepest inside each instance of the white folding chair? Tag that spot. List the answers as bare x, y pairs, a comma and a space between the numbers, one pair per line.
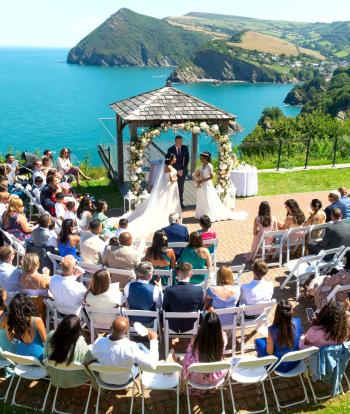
295, 238
300, 270
336, 290
298, 371
141, 314
209, 368
237, 273
177, 245
61, 369
4, 363
168, 273
230, 316
55, 312
253, 370
271, 243
121, 276
315, 228
262, 311
16, 244
100, 320
169, 333
98, 369
332, 261
25, 367
202, 272
89, 269
56, 262
212, 243
165, 376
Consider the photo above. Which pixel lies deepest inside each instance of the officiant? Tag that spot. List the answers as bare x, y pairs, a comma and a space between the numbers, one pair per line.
182, 159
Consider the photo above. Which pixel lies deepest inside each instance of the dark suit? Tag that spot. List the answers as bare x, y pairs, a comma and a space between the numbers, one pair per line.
335, 236
176, 233
182, 160
183, 297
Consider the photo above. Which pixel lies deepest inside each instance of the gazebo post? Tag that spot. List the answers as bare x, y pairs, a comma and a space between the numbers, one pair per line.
119, 124
194, 151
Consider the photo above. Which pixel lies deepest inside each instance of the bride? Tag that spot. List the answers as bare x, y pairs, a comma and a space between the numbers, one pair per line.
153, 213
208, 200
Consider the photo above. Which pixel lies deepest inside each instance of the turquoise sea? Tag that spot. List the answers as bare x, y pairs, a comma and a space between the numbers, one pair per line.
46, 103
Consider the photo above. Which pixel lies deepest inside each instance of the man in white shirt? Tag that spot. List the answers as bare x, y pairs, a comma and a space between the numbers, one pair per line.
60, 208
92, 247
67, 292
37, 171
10, 276
118, 351
258, 290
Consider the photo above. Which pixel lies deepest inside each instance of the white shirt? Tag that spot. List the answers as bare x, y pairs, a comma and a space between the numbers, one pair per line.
255, 292
119, 231
69, 215
10, 277
39, 173
157, 293
63, 164
59, 210
36, 192
123, 353
91, 249
67, 293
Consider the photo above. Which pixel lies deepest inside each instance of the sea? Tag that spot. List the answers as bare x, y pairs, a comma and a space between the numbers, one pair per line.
47, 103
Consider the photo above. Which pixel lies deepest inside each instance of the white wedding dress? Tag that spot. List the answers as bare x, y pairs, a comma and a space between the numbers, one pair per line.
153, 213
209, 203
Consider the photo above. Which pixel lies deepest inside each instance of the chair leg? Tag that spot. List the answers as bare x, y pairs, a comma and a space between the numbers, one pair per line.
98, 399
13, 402
265, 398
88, 400
222, 401
231, 393
8, 388
143, 399
46, 396
132, 397
178, 398
275, 395
188, 399
304, 388
53, 409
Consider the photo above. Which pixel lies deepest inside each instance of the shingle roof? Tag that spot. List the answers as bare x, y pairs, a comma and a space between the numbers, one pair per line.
168, 104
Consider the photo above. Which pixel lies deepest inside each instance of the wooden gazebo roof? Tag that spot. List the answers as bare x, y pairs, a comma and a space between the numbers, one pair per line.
169, 104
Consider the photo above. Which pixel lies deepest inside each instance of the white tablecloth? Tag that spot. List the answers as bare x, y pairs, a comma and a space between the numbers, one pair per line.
245, 180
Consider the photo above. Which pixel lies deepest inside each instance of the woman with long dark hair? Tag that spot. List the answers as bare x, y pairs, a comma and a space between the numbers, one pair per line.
317, 216
26, 327
159, 254
264, 221
207, 346
84, 213
294, 218
65, 166
68, 240
284, 335
67, 345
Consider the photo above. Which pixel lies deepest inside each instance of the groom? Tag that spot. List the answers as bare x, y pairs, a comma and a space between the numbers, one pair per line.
182, 159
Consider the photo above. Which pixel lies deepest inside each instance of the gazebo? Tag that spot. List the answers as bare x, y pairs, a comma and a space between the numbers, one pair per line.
167, 104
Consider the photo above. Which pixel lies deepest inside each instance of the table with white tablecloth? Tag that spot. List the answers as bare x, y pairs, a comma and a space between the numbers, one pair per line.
245, 179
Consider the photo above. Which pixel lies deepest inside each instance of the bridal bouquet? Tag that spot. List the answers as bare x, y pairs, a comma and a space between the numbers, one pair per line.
197, 177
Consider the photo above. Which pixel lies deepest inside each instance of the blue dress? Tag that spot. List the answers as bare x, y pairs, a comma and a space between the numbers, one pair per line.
260, 345
65, 249
5, 343
219, 303
34, 348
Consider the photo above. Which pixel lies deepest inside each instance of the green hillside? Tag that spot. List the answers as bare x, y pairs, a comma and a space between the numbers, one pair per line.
130, 39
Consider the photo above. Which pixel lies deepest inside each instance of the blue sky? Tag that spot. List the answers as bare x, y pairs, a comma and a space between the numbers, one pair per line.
65, 22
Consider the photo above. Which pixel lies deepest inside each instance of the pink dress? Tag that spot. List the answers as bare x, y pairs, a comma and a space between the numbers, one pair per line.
316, 336
261, 230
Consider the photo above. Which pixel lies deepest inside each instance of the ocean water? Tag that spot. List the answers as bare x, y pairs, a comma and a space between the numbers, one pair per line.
46, 103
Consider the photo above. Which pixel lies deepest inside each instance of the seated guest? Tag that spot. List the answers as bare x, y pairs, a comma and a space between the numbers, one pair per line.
67, 292
34, 283
65, 166
37, 171
14, 221
46, 193
334, 199
41, 234
284, 335
336, 235
100, 214
37, 187
4, 184
49, 156
205, 224
330, 327
259, 290
102, 294
197, 255
5, 343
10, 276
159, 254
183, 297
176, 232
91, 248
344, 198
121, 256
70, 211
67, 346
46, 166
225, 294
117, 350
141, 295
207, 346
294, 218
263, 222
24, 325
4, 200
122, 227
84, 213
60, 207
67, 240
12, 167
316, 217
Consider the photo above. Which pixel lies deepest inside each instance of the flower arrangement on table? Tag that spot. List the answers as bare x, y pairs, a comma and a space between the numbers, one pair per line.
227, 159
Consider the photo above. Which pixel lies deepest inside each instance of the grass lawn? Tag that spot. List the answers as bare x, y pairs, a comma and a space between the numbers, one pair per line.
338, 405
303, 181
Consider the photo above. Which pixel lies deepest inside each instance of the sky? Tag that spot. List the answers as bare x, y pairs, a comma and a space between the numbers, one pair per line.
63, 23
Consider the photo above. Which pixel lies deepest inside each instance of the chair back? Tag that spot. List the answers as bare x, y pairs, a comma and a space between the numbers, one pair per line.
212, 243
90, 268
297, 355
209, 367
121, 276
315, 228
20, 359
332, 260
164, 368
74, 366
107, 369
237, 272
100, 319
256, 362
56, 260
141, 314
206, 274
271, 242
296, 237
168, 273
336, 290
228, 313
177, 245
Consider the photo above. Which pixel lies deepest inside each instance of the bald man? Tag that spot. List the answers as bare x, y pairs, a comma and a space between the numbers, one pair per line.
117, 350
123, 256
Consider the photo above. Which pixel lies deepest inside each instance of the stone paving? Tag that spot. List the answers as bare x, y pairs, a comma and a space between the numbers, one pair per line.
234, 242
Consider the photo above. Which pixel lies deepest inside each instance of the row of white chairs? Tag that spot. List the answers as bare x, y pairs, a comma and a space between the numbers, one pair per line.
276, 243
16, 244
167, 375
